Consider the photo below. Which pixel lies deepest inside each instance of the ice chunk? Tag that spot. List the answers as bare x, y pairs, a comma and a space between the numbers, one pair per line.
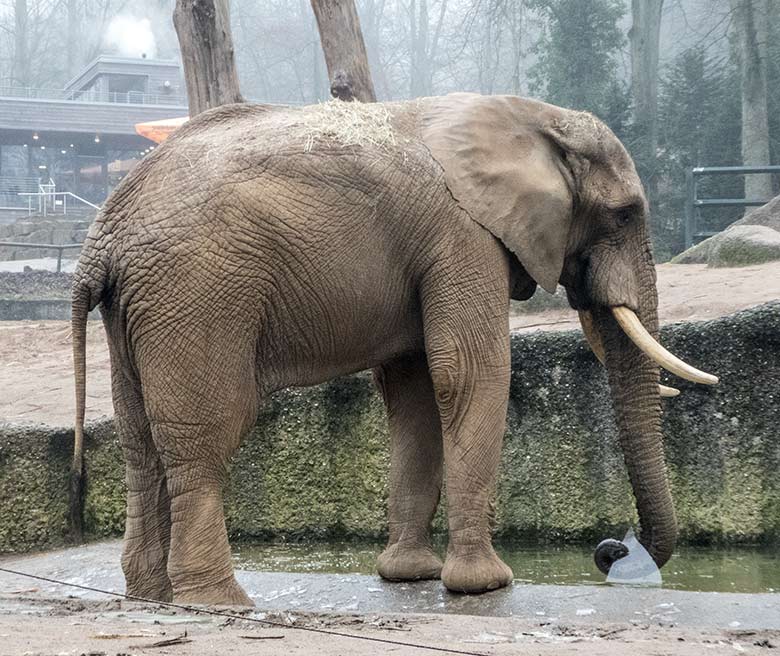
637, 568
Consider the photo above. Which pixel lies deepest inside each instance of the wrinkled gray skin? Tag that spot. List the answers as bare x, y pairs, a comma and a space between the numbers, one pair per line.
244, 255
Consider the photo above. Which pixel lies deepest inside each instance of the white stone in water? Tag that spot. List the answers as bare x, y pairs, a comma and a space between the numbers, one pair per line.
637, 568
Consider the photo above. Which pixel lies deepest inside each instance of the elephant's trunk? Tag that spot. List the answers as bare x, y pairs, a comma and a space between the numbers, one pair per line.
633, 380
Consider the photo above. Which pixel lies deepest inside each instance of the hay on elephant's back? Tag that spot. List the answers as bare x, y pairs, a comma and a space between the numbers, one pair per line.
347, 123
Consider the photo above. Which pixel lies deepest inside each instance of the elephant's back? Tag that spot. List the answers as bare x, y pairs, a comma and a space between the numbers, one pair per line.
244, 184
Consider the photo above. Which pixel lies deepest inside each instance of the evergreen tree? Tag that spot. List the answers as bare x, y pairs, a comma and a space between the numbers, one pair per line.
699, 113
577, 51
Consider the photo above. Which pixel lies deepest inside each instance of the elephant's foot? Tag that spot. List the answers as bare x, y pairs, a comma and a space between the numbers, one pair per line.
226, 593
399, 562
146, 574
475, 572
155, 586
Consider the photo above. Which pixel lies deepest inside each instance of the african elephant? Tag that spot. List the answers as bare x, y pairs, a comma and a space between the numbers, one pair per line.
263, 247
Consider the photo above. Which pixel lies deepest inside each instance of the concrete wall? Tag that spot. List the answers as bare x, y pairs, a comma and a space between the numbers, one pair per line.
315, 464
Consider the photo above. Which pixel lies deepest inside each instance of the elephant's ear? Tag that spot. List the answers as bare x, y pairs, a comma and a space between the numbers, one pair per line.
505, 173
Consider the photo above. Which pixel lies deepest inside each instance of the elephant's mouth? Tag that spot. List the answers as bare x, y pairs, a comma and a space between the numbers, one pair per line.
646, 343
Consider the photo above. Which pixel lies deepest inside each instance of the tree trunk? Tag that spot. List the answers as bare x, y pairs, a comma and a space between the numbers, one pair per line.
21, 62
72, 46
516, 26
645, 36
750, 25
344, 49
203, 28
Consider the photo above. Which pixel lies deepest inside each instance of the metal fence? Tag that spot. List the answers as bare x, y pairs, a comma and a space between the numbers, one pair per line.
58, 247
693, 205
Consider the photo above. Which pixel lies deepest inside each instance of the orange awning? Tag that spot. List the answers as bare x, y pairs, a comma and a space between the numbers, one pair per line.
159, 131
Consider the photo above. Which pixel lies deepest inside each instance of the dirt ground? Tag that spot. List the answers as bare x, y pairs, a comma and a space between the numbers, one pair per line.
36, 373
686, 292
36, 376
118, 628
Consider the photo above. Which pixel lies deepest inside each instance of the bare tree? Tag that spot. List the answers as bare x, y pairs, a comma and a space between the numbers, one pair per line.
203, 28
21, 61
514, 13
73, 33
424, 46
751, 18
645, 35
344, 49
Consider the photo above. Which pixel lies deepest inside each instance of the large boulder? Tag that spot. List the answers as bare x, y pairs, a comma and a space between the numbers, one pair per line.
742, 245
767, 215
753, 239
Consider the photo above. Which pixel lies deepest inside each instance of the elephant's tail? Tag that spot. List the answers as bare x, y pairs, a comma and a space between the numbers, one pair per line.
85, 297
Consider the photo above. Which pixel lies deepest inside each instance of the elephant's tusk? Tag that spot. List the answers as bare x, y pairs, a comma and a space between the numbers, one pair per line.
594, 341
668, 392
633, 327
592, 336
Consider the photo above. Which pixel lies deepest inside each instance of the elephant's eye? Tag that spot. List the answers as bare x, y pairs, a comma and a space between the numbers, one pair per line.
623, 216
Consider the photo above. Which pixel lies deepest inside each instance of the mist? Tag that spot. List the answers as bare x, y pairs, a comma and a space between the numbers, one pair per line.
583, 60
129, 36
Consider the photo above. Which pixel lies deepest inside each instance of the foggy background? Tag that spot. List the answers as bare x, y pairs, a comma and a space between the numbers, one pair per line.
574, 53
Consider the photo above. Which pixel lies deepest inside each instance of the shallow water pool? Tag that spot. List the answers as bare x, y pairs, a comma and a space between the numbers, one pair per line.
705, 569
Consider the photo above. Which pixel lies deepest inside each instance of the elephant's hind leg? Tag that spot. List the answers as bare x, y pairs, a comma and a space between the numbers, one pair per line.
415, 469
199, 409
196, 456
148, 525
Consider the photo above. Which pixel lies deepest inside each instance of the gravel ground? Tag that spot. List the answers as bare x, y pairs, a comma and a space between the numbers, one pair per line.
35, 284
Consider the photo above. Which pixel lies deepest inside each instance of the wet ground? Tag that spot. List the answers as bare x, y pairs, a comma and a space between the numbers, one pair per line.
39, 617
696, 569
97, 565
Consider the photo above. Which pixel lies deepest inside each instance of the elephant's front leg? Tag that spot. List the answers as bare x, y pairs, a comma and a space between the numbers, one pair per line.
415, 469
468, 353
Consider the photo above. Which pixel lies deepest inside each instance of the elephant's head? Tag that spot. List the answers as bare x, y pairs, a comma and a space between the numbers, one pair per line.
562, 194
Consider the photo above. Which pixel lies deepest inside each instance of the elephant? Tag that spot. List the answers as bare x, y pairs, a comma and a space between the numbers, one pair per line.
262, 247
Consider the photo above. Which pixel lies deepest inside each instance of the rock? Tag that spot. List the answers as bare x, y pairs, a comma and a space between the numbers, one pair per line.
696, 254
742, 245
753, 239
767, 215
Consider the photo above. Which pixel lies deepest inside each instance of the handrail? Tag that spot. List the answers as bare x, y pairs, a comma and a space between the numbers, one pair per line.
54, 194
59, 193
58, 247
21, 244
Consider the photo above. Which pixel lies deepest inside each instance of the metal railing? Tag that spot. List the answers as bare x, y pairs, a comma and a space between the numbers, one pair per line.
11, 187
45, 207
58, 247
93, 96
693, 203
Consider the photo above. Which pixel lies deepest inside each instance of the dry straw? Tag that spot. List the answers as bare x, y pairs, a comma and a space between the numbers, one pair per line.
348, 124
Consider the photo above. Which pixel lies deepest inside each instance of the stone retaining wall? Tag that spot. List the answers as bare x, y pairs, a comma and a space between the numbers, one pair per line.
38, 229
316, 463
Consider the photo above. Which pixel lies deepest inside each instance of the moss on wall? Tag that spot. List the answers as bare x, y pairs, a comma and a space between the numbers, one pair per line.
316, 463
